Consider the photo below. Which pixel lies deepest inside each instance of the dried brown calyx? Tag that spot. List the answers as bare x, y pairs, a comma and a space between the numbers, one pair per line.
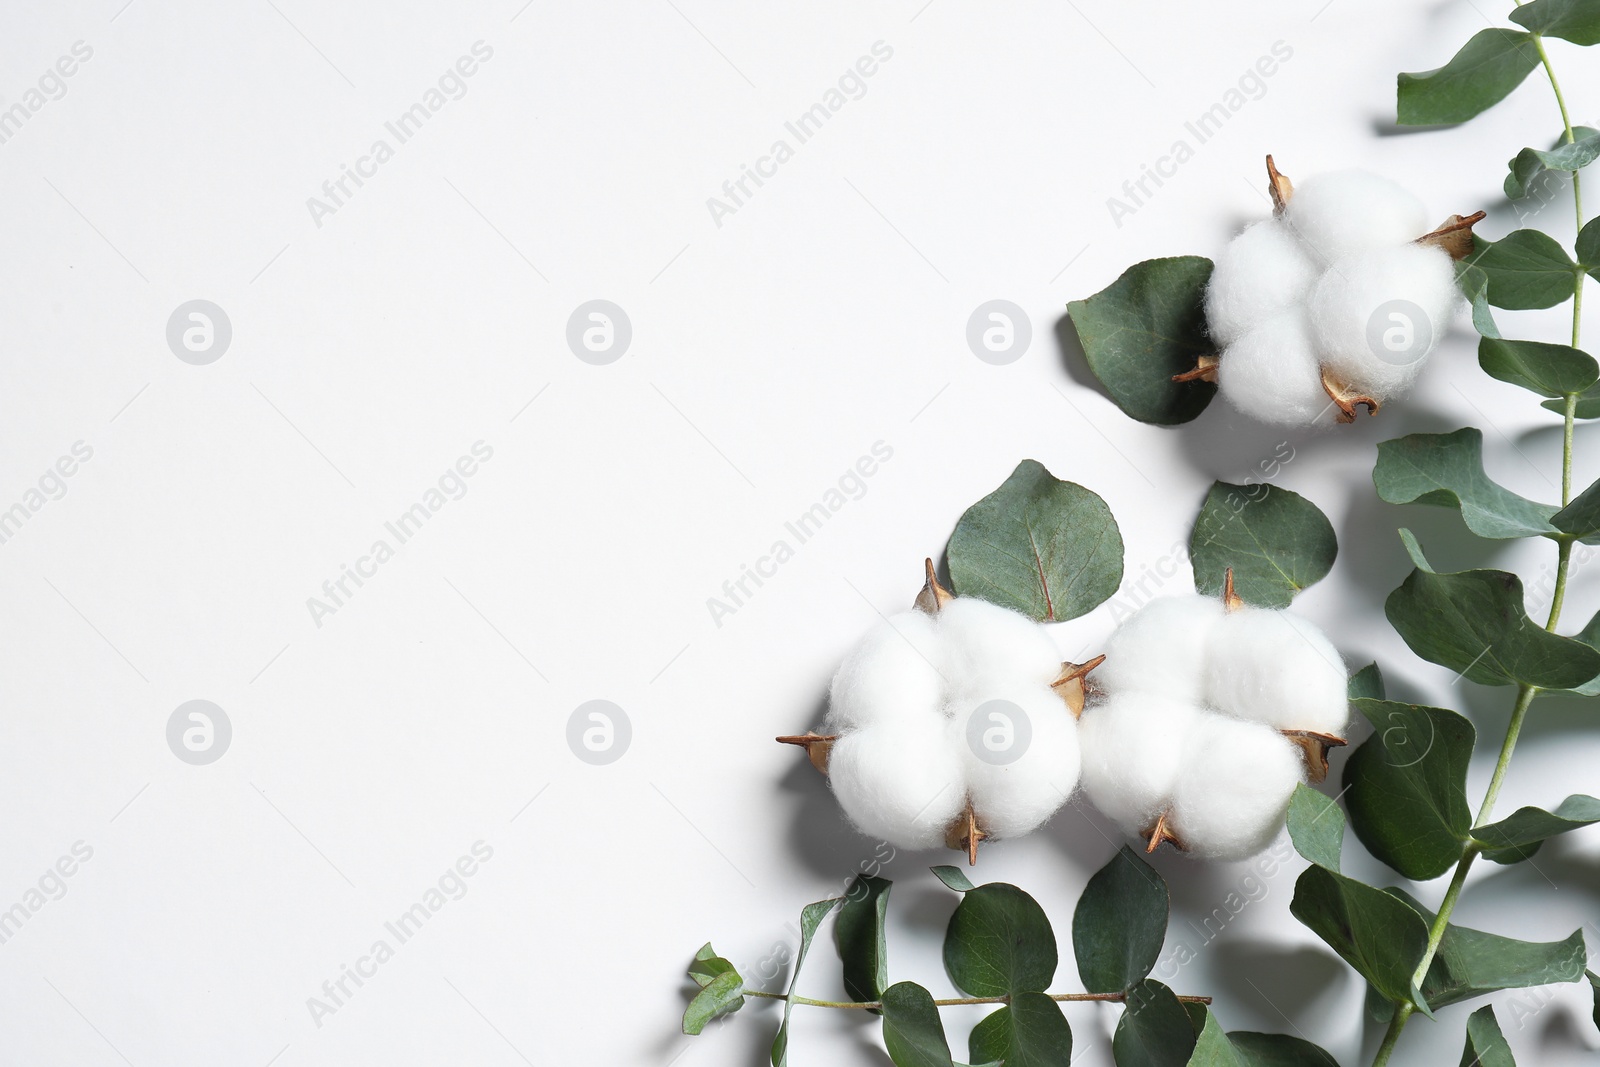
1205, 370
1161, 833
1454, 235
1073, 685
964, 834
1314, 748
817, 746
1347, 399
933, 595
1279, 187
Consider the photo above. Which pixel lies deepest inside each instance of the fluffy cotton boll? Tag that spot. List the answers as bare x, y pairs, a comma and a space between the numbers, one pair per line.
1277, 668
1133, 751
1162, 649
1379, 314
1260, 273
889, 675
1234, 788
1273, 374
1021, 759
985, 644
899, 782
1344, 211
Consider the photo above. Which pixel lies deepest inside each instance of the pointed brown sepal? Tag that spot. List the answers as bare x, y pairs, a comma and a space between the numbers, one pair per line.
1314, 748
1231, 600
964, 834
1205, 370
1345, 400
1159, 833
817, 747
1279, 187
933, 596
1072, 684
1454, 235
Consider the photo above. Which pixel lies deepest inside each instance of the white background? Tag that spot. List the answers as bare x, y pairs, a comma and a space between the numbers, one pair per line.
770, 352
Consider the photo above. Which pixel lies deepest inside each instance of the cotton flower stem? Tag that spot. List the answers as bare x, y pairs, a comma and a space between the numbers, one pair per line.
1525, 693
877, 1005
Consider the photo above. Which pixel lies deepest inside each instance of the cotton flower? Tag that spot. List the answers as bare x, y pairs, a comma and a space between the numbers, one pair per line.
1334, 303
1210, 713
951, 723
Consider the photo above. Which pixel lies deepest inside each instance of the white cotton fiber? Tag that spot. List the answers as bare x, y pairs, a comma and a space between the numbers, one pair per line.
899, 782
1162, 648
1134, 747
1272, 374
891, 674
1277, 668
1379, 314
1018, 775
1344, 211
985, 644
1234, 788
1260, 273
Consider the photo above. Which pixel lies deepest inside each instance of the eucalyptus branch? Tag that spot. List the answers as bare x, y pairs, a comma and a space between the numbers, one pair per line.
1525, 692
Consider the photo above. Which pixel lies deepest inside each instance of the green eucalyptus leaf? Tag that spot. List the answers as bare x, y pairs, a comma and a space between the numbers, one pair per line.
723, 995
1588, 246
1471, 963
1589, 635
1213, 1049
1546, 369
912, 1030
707, 966
1474, 285
1581, 518
1446, 470
1474, 622
1588, 406
1154, 1030
1406, 787
1276, 542
999, 943
1486, 1045
1316, 826
953, 877
1367, 682
1031, 1031
1571, 156
1381, 937
1047, 548
811, 917
1527, 269
1482, 74
1509, 840
859, 933
1577, 21
1142, 329
1594, 983
1119, 924
1278, 1050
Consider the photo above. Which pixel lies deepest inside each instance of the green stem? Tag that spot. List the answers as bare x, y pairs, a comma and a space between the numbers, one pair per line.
876, 1005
